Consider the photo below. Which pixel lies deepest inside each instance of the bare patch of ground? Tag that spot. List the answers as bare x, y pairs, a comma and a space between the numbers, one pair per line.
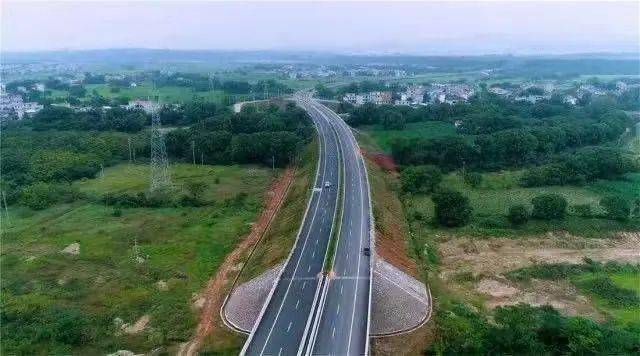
479, 266
499, 255
138, 326
216, 288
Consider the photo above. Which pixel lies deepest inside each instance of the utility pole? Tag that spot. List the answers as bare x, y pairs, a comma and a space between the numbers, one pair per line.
6, 208
130, 152
102, 171
193, 151
202, 158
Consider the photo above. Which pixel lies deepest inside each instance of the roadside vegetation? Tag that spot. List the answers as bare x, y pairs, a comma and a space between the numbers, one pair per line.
133, 261
93, 262
490, 169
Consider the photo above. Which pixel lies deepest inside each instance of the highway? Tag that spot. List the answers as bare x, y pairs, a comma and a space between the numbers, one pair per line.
342, 325
308, 312
285, 319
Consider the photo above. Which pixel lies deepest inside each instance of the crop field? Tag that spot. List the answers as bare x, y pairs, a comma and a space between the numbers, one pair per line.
427, 129
63, 303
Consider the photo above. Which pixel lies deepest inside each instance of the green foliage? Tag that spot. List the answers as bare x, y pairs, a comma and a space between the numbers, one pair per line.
114, 119
585, 165
583, 210
527, 330
324, 92
549, 207
474, 179
518, 214
616, 208
41, 195
603, 287
157, 199
272, 137
556, 271
393, 121
420, 179
585, 336
195, 188
451, 208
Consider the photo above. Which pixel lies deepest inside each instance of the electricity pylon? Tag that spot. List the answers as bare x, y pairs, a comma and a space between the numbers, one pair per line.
160, 178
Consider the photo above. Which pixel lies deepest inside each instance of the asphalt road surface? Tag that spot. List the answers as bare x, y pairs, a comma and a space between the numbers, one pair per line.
286, 317
342, 327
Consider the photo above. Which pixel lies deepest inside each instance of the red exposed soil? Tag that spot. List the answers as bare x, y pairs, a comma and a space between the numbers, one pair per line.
215, 290
383, 161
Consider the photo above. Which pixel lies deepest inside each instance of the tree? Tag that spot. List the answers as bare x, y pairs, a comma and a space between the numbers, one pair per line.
549, 206
616, 208
636, 208
420, 179
452, 208
195, 189
518, 214
393, 121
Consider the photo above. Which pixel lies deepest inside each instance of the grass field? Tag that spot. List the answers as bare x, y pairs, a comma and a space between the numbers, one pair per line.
627, 280
428, 129
499, 191
55, 303
167, 94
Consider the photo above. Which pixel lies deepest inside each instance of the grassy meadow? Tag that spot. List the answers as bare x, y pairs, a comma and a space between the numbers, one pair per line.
168, 94
426, 129
58, 303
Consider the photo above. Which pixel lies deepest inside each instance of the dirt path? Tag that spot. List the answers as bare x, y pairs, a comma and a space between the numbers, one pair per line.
215, 290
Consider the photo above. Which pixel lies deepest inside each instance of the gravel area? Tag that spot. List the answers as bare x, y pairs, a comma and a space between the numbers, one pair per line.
246, 300
399, 302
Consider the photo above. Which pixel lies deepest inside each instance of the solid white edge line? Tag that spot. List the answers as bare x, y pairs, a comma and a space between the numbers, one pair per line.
320, 310
295, 270
321, 142
371, 237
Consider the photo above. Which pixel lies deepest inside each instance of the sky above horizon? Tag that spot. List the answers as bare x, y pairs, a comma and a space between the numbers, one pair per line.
351, 27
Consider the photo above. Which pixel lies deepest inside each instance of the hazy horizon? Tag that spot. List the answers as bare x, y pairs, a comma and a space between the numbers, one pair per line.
414, 28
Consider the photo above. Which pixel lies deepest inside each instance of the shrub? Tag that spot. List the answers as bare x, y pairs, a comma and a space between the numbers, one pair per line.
494, 222
549, 206
583, 210
616, 208
474, 179
420, 179
140, 200
518, 214
584, 336
40, 195
603, 287
195, 189
452, 208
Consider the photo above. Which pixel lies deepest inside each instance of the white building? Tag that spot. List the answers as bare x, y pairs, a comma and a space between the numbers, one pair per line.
147, 106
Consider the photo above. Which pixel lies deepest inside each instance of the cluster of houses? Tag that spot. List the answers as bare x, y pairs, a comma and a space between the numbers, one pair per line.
544, 91
414, 95
374, 97
12, 104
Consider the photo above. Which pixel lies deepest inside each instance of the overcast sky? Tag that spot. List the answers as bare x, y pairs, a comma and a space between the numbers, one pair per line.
362, 27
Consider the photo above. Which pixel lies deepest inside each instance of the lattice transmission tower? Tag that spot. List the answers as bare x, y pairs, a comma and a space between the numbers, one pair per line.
160, 177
